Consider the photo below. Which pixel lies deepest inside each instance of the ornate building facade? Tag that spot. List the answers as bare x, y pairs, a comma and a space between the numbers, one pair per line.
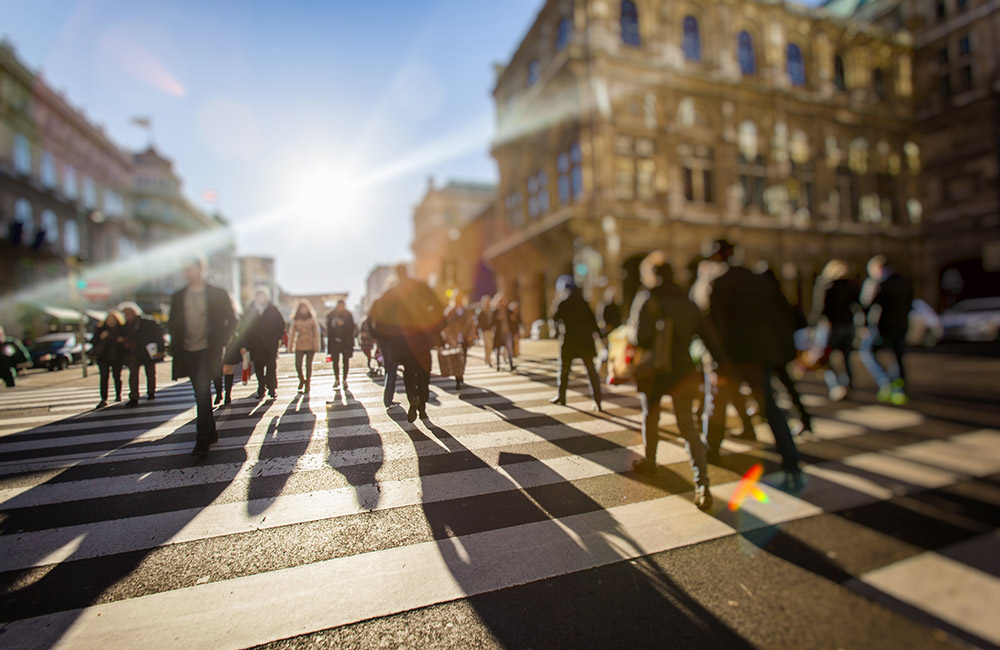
624, 127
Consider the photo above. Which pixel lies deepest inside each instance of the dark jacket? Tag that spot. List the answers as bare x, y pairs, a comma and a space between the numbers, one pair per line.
221, 323
12, 354
836, 301
409, 317
264, 330
109, 348
668, 303
578, 326
611, 316
340, 332
753, 318
138, 334
894, 299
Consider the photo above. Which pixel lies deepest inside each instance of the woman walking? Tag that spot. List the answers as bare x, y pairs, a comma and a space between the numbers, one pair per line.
340, 333
503, 330
109, 351
304, 339
459, 330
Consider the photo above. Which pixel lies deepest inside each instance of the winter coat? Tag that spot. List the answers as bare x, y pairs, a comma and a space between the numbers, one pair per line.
340, 331
753, 318
894, 299
221, 323
264, 330
109, 344
611, 316
578, 325
140, 333
836, 301
459, 325
304, 335
409, 318
484, 318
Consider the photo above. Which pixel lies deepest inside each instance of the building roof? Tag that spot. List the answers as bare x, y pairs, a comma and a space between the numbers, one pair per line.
844, 8
471, 186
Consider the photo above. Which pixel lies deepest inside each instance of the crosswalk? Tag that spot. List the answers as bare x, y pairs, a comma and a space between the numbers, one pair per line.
313, 513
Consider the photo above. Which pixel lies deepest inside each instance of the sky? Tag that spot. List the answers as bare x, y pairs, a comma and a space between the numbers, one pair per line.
316, 123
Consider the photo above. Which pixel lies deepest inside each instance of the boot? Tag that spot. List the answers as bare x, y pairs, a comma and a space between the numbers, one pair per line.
228, 381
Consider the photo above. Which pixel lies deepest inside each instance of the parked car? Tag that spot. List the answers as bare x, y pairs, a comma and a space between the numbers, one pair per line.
925, 328
975, 319
55, 351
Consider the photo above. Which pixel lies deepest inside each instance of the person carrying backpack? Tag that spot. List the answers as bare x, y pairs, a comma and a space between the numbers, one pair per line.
665, 322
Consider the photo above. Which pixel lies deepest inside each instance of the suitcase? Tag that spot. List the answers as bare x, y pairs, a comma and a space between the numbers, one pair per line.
451, 362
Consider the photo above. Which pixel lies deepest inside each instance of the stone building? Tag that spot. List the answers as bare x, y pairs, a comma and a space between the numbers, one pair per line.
628, 126
64, 188
438, 221
956, 71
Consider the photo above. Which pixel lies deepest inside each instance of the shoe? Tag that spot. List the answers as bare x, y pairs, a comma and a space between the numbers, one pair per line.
703, 498
458, 384
561, 401
132, 403
390, 405
301, 385
118, 398
259, 394
227, 401
215, 437
898, 398
422, 413
793, 481
218, 400
884, 394
305, 389
150, 398
272, 396
336, 384
101, 404
411, 414
596, 407
344, 383
644, 467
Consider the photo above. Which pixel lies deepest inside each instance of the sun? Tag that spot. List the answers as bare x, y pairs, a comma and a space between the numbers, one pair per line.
325, 191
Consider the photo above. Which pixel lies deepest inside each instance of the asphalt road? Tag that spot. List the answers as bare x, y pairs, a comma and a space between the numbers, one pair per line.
502, 521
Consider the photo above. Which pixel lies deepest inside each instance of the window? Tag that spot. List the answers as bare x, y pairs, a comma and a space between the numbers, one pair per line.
24, 216
945, 84
753, 171
630, 24
576, 171
796, 66
696, 173
943, 57
89, 193
940, 11
965, 77
748, 62
692, 39
964, 46
48, 170
534, 70
688, 184
562, 165
563, 33
69, 182
50, 225
887, 197
114, 206
22, 154
847, 192
515, 218
878, 83
538, 194
71, 238
624, 179
839, 78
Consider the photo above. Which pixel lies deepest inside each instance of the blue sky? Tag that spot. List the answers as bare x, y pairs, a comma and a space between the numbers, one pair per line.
266, 102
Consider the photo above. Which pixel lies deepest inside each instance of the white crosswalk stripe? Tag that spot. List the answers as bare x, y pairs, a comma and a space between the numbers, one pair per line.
108, 495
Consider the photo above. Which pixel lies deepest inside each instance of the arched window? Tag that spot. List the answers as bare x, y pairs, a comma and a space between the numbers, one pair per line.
24, 216
630, 23
839, 80
748, 61
878, 83
50, 225
22, 154
796, 66
71, 238
692, 39
563, 33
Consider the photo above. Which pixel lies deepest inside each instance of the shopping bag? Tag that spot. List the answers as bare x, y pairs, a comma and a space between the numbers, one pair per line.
451, 362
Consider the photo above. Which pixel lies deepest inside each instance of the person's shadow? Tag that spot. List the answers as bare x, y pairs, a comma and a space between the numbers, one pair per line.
277, 458
84, 547
537, 559
349, 436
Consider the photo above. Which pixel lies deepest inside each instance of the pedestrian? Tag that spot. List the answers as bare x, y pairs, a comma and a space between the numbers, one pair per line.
144, 344
201, 323
304, 339
264, 332
609, 318
484, 322
459, 329
666, 322
516, 326
886, 298
366, 341
835, 304
232, 358
750, 314
12, 354
577, 331
413, 310
503, 330
340, 333
109, 353
387, 332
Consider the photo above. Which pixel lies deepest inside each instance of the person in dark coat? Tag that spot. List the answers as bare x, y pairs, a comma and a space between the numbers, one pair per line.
577, 330
665, 323
484, 322
143, 343
109, 353
887, 298
201, 323
340, 333
609, 313
382, 320
835, 303
264, 331
751, 315
12, 354
504, 326
415, 315
459, 329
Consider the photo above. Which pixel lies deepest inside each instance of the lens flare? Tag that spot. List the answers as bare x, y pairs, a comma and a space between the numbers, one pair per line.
748, 488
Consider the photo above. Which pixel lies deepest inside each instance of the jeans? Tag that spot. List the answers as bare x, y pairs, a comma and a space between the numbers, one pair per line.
307, 356
200, 372
112, 369
133, 378
264, 365
871, 341
337, 356
683, 393
565, 362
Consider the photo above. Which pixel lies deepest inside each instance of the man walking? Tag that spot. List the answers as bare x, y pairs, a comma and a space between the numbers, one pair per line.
261, 339
577, 329
201, 322
382, 319
340, 331
143, 342
886, 297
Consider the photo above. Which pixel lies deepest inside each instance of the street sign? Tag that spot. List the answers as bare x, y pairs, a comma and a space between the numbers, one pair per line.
97, 290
